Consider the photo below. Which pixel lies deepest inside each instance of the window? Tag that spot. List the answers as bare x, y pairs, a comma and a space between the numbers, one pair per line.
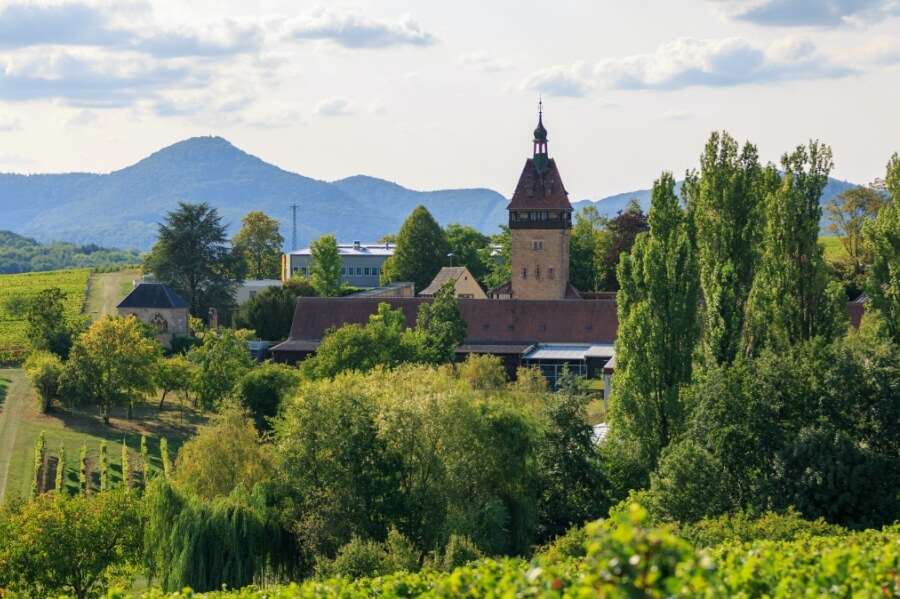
550, 273
375, 270
524, 272
296, 268
367, 271
358, 270
466, 296
537, 271
537, 244
343, 271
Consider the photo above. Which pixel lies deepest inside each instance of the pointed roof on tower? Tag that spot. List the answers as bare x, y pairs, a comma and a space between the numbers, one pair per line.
540, 186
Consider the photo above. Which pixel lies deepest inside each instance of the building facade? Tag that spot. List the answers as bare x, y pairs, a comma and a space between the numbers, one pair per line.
540, 224
361, 263
160, 307
465, 286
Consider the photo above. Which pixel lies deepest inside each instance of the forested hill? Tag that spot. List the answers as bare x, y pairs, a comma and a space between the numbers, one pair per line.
23, 254
122, 209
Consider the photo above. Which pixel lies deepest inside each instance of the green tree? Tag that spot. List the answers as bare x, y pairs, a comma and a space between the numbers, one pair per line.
263, 388
585, 246
792, 299
78, 546
657, 312
219, 364
224, 455
174, 374
48, 329
440, 326
111, 363
892, 178
44, 370
326, 266
470, 249
500, 261
421, 251
270, 313
882, 240
259, 245
192, 255
725, 202
848, 213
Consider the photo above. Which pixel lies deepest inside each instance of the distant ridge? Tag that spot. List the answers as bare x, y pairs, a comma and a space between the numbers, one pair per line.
123, 208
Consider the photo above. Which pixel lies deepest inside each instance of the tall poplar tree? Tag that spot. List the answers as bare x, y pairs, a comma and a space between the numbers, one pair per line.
725, 202
658, 328
882, 239
421, 251
792, 299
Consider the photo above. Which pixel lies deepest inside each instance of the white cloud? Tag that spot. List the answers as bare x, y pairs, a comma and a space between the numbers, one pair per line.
219, 39
483, 62
881, 51
815, 13
74, 24
334, 107
677, 115
572, 82
353, 30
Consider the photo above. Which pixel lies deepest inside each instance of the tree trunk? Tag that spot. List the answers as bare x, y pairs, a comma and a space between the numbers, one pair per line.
162, 399
104, 411
130, 408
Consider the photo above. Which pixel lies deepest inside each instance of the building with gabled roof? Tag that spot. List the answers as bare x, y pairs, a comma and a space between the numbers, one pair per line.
160, 307
464, 284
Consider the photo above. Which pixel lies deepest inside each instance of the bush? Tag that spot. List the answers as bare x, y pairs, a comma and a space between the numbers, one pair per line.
483, 372
262, 389
44, 369
744, 527
360, 558
688, 484
460, 550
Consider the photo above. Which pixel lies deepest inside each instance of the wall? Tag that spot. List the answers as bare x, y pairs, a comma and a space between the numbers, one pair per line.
554, 254
355, 269
176, 321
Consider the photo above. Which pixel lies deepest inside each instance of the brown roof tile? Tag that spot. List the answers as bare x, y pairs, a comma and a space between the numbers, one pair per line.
540, 189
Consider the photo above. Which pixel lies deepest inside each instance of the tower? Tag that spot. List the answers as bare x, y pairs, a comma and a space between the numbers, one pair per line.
540, 223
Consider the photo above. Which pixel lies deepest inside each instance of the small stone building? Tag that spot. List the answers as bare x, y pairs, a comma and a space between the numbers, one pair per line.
160, 307
464, 284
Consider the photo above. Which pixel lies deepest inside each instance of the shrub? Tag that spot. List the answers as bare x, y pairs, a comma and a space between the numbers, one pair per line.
744, 527
483, 372
44, 369
460, 550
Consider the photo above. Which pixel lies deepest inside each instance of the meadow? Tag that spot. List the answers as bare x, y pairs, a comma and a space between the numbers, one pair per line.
15, 289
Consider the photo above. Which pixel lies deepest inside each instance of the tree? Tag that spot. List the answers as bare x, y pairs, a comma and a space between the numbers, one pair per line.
259, 245
269, 314
892, 179
792, 299
174, 375
470, 249
326, 266
48, 329
584, 253
623, 229
263, 388
44, 370
193, 256
882, 240
224, 455
111, 363
440, 326
657, 312
220, 363
500, 261
725, 202
57, 545
421, 251
849, 212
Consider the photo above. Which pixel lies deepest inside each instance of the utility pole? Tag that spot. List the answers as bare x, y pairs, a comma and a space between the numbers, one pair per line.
294, 229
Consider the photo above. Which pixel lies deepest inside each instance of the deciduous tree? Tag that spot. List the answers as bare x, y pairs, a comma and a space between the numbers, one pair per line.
882, 239
849, 212
219, 363
623, 229
326, 266
259, 244
585, 248
440, 326
470, 249
421, 251
658, 328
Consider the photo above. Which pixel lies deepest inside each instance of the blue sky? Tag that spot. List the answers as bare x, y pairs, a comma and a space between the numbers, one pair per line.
443, 94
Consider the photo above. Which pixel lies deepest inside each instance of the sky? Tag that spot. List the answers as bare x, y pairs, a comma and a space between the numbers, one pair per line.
436, 94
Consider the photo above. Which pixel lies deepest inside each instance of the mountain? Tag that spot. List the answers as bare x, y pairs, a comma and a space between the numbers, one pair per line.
123, 208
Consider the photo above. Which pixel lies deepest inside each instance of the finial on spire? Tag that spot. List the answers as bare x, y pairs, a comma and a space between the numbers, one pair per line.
540, 133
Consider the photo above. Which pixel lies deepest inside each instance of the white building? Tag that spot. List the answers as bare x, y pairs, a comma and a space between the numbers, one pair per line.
361, 263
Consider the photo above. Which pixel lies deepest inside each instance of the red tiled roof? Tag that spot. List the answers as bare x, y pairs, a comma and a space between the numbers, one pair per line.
540, 190
493, 322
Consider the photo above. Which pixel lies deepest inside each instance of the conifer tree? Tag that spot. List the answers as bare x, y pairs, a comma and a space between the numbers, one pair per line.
725, 203
60, 469
421, 251
657, 310
792, 299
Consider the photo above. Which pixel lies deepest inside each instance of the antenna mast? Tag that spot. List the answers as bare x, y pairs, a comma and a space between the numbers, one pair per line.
294, 227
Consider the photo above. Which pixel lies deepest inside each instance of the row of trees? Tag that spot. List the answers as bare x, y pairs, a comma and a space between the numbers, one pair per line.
753, 396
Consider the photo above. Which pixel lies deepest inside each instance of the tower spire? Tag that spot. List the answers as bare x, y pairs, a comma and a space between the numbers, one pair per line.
540, 132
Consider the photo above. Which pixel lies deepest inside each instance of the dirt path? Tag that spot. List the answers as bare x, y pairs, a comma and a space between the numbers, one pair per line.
106, 290
10, 416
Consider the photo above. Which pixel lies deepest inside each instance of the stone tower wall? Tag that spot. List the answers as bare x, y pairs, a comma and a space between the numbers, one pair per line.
547, 264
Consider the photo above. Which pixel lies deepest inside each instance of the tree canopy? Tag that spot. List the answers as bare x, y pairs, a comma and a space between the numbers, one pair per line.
259, 244
421, 251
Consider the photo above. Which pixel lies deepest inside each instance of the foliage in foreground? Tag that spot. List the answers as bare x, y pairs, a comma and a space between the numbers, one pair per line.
625, 558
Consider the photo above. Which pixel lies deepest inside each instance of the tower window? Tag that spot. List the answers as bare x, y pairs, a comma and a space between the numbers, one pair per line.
537, 244
524, 272
550, 273
537, 271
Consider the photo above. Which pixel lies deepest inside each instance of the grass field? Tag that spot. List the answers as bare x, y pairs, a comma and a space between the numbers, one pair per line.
23, 286
834, 249
107, 289
72, 428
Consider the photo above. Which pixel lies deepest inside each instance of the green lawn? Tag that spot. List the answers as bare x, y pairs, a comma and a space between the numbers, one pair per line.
71, 429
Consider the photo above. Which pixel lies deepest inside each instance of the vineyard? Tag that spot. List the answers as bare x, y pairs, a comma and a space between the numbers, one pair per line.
628, 559
15, 289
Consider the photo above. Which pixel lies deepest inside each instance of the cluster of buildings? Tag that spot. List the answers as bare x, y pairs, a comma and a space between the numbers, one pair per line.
537, 318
